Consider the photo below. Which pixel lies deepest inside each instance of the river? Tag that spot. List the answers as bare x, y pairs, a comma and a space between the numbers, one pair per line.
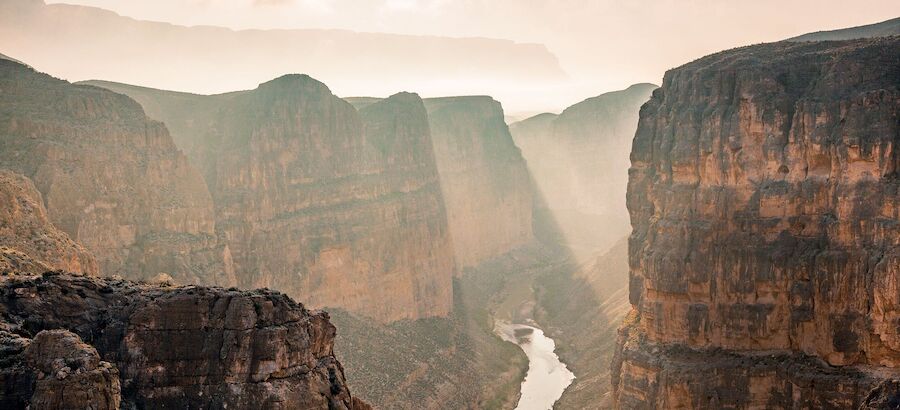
547, 377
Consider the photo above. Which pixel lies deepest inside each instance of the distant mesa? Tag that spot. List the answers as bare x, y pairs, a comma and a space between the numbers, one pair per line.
885, 28
79, 42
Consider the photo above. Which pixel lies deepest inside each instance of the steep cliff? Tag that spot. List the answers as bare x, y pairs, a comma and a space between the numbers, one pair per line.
334, 206
110, 178
578, 161
765, 255
29, 243
483, 178
141, 346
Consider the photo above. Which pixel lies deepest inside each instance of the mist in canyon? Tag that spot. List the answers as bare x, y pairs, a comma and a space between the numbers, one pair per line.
449, 204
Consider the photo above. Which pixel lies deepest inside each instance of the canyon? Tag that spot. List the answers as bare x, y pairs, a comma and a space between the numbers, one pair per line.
74, 342
765, 255
368, 194
578, 160
459, 262
333, 206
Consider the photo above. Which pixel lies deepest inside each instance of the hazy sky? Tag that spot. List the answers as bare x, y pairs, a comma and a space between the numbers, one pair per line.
602, 44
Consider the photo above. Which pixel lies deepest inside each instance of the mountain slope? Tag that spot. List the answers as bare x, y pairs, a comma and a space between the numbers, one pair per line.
883, 29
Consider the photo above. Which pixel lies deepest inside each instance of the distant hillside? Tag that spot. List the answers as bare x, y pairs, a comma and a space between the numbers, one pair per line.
80, 43
884, 29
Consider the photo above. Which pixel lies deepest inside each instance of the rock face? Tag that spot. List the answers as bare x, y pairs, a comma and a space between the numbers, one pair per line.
484, 179
765, 256
110, 178
30, 243
120, 343
334, 206
578, 161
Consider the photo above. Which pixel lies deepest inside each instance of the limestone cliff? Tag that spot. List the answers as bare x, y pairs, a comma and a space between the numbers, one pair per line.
334, 206
483, 178
79, 342
110, 178
29, 243
765, 255
578, 161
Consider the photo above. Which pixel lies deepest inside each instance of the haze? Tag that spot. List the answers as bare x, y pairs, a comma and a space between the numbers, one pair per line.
600, 45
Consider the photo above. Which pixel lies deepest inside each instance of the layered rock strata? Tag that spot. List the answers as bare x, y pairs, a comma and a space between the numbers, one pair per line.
110, 178
331, 205
765, 255
483, 176
79, 342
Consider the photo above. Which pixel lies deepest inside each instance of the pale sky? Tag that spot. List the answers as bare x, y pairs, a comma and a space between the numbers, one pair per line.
603, 44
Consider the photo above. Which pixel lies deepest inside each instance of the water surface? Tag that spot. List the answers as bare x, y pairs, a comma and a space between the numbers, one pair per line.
547, 377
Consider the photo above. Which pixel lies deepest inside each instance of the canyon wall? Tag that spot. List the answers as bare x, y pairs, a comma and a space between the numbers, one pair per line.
80, 342
483, 177
334, 206
765, 256
109, 177
578, 161
30, 243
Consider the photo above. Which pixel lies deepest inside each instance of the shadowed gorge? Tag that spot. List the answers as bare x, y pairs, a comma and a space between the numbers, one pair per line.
578, 161
496, 235
763, 194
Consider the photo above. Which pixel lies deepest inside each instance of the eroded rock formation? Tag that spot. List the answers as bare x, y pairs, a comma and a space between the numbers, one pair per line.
765, 256
483, 178
334, 206
29, 243
117, 342
578, 161
110, 178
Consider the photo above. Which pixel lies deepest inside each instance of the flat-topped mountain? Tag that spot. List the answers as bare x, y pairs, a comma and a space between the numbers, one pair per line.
80, 43
885, 28
334, 206
765, 256
110, 178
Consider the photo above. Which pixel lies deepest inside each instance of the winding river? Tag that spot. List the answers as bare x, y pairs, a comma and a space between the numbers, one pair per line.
547, 377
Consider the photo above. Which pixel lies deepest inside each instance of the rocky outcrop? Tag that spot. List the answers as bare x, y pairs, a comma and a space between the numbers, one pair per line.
483, 177
71, 342
578, 161
765, 256
29, 243
334, 206
110, 178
